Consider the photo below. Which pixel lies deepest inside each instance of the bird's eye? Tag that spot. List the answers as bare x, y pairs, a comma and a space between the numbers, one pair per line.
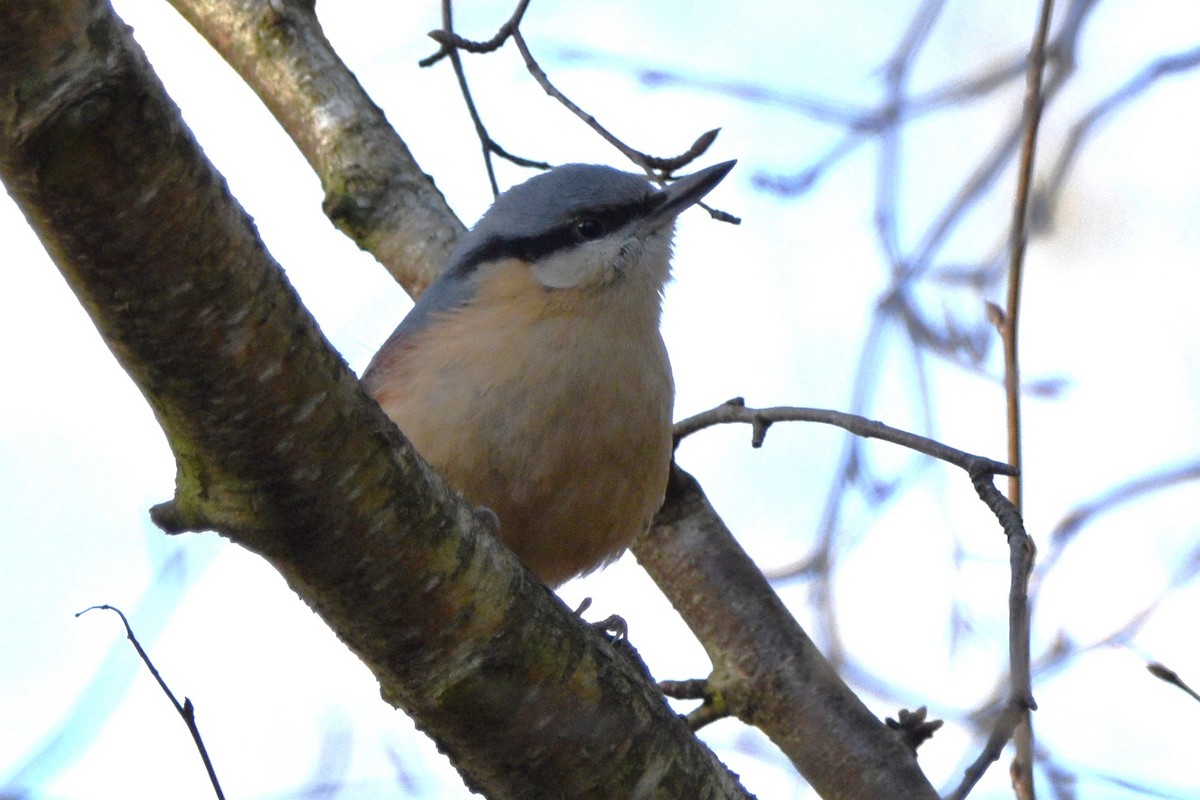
589, 228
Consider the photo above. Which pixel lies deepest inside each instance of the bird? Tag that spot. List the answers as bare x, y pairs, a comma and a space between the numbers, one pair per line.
532, 374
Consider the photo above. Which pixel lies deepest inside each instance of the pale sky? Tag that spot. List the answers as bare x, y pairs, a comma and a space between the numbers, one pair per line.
775, 310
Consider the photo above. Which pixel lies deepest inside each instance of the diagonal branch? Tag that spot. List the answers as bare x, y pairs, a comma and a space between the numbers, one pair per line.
374, 191
185, 709
766, 670
383, 602
279, 449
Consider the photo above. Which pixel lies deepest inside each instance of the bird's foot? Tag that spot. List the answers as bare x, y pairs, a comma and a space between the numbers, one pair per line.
615, 628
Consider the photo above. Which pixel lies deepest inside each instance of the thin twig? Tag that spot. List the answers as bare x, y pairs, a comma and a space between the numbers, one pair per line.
485, 140
712, 709
762, 418
185, 709
1019, 238
1021, 559
1064, 649
1006, 723
1021, 547
706, 714
1168, 675
658, 168
642, 160
690, 689
451, 43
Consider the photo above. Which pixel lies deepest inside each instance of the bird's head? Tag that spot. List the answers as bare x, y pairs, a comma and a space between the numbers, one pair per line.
582, 227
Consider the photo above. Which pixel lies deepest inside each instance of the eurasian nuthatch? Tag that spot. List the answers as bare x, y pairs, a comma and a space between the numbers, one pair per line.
531, 374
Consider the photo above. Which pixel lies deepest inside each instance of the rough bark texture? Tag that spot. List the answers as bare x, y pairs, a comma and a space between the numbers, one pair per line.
374, 191
766, 671
279, 449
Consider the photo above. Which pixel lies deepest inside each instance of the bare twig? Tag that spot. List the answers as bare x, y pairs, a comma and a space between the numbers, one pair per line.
185, 709
1021, 547
646, 161
761, 419
1021, 558
966, 346
450, 41
451, 44
712, 709
1064, 649
1168, 675
1002, 731
1018, 240
658, 168
865, 125
981, 471
707, 713
691, 689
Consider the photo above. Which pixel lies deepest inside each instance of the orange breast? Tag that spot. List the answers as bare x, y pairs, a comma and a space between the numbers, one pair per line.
552, 410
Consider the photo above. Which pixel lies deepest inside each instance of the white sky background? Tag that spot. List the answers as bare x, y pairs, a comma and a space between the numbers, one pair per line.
775, 310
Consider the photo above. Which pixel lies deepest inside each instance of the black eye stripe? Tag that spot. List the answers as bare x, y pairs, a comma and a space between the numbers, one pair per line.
561, 237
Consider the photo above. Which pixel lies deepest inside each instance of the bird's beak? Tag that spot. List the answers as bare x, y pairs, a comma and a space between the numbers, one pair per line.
685, 192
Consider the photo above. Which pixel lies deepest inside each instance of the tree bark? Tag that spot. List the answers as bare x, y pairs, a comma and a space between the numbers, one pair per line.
279, 449
766, 671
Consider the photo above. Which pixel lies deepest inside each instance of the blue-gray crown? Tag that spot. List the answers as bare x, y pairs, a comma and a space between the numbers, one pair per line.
555, 210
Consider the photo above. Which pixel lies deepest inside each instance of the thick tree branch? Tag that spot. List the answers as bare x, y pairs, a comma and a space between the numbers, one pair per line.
831, 760
374, 190
766, 671
280, 450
